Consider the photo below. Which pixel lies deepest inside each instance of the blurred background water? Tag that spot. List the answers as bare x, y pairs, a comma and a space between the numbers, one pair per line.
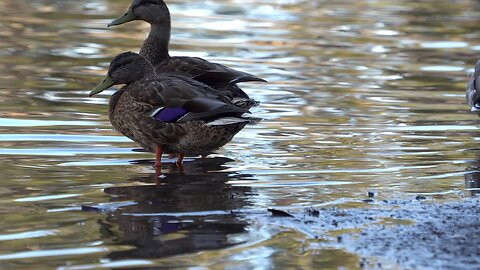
362, 95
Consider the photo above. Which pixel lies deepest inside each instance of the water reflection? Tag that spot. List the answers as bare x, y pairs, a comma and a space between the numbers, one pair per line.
186, 213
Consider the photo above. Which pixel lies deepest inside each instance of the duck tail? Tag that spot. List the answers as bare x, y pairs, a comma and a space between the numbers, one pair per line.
247, 78
245, 103
225, 121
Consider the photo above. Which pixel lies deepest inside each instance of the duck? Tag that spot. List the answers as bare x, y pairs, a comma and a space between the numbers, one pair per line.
155, 49
473, 88
166, 113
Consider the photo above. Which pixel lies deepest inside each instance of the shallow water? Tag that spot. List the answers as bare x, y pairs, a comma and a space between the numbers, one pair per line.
363, 95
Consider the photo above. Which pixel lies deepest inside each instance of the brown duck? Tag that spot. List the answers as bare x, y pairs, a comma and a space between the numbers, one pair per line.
168, 113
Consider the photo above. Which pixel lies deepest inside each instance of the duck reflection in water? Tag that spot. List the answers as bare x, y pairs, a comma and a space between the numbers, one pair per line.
185, 214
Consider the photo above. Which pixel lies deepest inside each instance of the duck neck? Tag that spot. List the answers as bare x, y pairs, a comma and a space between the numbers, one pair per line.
149, 72
155, 47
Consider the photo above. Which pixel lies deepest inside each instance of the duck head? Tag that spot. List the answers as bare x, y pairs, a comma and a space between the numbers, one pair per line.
125, 68
151, 11
473, 90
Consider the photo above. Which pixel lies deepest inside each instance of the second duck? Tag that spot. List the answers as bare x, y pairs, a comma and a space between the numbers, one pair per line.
155, 49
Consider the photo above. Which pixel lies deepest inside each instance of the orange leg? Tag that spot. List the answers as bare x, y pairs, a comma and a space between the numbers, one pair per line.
158, 174
158, 156
180, 169
180, 159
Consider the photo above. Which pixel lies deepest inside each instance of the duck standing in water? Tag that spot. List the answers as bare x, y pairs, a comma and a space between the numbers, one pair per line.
155, 49
168, 113
473, 90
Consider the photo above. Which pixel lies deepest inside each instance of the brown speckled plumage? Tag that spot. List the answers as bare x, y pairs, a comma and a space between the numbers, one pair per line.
132, 107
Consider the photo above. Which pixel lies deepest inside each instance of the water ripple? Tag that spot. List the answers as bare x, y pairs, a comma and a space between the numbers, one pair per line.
61, 138
10, 122
27, 235
52, 253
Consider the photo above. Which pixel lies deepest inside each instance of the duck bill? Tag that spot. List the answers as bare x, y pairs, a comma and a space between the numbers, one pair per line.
106, 83
127, 17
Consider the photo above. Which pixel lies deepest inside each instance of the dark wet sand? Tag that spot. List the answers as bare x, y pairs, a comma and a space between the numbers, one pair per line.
416, 233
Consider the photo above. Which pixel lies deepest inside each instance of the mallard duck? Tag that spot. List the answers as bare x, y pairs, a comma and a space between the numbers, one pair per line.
168, 113
473, 88
155, 49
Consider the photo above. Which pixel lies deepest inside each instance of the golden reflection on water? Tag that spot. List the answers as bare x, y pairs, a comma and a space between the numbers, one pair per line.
364, 95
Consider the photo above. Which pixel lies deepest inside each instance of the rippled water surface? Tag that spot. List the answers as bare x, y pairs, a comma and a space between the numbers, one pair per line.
362, 95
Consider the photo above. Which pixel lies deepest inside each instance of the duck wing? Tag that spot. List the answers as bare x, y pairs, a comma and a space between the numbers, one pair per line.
199, 69
180, 99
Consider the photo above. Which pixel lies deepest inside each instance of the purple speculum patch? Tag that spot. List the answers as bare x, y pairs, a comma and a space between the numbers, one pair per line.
170, 114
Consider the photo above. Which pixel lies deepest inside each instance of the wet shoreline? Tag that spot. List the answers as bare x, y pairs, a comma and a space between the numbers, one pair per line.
416, 233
